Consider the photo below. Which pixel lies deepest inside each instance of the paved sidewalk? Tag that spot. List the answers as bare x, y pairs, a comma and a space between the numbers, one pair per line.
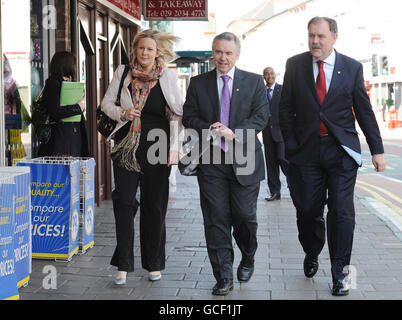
377, 257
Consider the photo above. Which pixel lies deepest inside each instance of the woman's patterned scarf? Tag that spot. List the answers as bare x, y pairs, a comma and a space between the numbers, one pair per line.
127, 147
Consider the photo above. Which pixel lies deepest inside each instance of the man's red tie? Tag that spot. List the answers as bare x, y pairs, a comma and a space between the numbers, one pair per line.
321, 86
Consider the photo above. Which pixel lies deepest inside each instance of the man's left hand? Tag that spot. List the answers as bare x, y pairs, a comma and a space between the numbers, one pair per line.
224, 131
379, 162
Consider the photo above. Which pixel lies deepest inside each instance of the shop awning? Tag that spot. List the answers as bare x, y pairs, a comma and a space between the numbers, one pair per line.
185, 58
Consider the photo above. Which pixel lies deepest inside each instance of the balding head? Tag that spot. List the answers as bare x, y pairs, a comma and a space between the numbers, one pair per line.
269, 76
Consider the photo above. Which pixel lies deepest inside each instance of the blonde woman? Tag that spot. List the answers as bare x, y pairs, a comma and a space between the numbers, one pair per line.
150, 99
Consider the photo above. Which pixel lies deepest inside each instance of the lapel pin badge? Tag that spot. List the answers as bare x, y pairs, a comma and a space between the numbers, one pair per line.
339, 72
237, 90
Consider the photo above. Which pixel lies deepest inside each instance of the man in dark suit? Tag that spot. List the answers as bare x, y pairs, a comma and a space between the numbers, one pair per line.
233, 104
274, 148
323, 94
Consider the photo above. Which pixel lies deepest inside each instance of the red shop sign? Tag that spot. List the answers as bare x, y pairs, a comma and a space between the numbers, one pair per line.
132, 7
176, 10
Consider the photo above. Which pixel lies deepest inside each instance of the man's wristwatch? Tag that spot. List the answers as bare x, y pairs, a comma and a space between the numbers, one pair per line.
122, 115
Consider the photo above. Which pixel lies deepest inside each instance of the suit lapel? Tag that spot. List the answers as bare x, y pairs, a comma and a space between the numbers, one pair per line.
213, 93
275, 94
235, 99
337, 77
309, 75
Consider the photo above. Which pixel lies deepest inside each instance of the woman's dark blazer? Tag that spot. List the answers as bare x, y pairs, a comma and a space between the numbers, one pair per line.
68, 138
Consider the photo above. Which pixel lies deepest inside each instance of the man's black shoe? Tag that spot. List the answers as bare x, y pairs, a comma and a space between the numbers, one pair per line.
340, 288
223, 287
244, 272
310, 266
273, 197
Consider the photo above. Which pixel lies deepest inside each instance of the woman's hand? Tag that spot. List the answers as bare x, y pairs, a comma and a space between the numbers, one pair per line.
82, 104
174, 157
131, 114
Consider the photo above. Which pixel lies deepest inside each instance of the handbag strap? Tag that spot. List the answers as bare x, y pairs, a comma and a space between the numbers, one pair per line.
123, 77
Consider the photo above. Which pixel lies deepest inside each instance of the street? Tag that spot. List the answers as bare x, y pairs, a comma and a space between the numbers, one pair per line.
377, 252
385, 187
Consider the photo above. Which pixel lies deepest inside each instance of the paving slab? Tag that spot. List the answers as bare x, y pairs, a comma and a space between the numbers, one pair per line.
376, 256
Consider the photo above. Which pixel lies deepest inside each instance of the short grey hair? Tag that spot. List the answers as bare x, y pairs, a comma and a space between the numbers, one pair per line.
228, 36
333, 26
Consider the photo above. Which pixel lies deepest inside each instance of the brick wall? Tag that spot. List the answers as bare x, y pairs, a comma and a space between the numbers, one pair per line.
63, 36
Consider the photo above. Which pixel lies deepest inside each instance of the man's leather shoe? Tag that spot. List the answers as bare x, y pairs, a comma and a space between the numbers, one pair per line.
310, 266
223, 287
244, 272
340, 288
273, 197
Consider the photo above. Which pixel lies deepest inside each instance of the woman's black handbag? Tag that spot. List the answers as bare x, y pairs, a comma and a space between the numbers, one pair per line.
104, 124
41, 121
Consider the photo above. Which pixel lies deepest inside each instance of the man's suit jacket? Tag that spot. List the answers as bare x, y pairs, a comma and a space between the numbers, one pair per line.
273, 122
300, 111
249, 109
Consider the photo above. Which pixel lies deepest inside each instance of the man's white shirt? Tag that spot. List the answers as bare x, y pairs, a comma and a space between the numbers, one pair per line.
219, 82
329, 65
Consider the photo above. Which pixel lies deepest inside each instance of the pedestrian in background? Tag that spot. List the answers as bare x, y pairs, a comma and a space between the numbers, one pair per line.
274, 148
323, 94
223, 100
150, 99
67, 138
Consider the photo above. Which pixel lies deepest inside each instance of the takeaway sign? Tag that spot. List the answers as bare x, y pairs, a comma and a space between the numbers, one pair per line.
176, 10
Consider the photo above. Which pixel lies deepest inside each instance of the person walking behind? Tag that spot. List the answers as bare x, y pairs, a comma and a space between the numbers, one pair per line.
274, 148
323, 94
229, 102
150, 99
67, 138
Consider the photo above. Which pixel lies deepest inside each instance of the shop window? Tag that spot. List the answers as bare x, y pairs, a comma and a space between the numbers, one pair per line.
17, 79
398, 88
38, 59
119, 53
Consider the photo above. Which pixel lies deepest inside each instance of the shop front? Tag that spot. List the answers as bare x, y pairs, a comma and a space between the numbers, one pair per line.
16, 82
99, 33
103, 33
386, 99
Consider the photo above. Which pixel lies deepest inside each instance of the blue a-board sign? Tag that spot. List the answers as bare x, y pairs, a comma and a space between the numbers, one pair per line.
22, 221
8, 280
88, 198
55, 208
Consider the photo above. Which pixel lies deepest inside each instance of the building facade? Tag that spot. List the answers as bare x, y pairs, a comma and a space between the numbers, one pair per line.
367, 32
98, 32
